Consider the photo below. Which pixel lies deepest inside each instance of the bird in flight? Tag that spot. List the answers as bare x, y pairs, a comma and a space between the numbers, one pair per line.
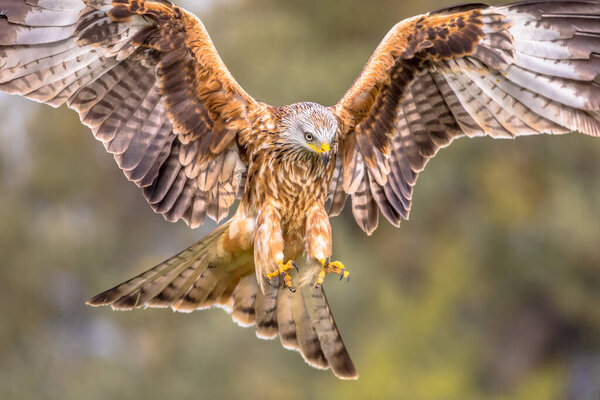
146, 78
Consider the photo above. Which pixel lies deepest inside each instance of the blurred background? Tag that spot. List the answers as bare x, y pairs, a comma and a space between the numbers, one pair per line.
490, 291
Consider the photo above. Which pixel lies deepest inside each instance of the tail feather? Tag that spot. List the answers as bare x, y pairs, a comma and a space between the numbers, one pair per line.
205, 275
183, 278
331, 342
308, 340
285, 322
163, 295
266, 312
221, 296
244, 295
196, 296
165, 283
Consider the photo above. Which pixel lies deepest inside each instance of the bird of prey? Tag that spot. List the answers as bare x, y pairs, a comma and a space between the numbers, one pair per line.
146, 78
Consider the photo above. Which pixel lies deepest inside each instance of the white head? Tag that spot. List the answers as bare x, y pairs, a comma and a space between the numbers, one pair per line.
310, 128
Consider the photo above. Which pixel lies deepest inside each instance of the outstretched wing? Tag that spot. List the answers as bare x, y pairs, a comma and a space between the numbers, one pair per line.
146, 78
521, 69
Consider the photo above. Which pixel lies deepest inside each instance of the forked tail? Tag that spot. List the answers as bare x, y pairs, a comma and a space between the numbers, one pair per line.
206, 275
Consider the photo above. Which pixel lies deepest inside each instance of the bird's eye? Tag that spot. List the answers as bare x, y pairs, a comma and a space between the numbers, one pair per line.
308, 136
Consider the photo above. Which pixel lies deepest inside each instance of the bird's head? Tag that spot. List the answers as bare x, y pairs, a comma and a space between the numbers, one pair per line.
311, 129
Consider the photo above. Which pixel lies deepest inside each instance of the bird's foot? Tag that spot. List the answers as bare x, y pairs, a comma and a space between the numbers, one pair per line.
284, 272
332, 267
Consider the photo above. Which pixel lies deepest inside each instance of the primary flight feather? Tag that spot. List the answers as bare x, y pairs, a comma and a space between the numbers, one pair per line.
146, 78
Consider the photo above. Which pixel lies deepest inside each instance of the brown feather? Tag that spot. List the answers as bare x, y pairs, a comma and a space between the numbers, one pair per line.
135, 73
521, 69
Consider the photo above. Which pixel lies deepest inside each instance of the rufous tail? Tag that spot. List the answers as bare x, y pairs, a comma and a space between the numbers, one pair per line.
205, 275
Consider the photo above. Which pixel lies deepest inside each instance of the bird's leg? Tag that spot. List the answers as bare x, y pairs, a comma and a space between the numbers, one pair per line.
283, 272
332, 267
318, 238
268, 248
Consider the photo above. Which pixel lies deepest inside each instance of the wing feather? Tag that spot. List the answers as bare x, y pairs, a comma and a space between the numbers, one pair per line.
146, 78
521, 69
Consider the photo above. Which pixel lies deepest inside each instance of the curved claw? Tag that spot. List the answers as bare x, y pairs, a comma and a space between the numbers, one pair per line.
331, 267
283, 273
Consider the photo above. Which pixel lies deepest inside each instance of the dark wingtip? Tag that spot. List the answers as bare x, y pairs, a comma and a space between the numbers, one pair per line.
98, 300
105, 298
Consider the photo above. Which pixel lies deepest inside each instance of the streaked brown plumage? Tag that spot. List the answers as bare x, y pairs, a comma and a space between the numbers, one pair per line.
146, 78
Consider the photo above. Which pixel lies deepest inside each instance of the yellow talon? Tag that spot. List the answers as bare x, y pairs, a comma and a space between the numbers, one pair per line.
333, 267
283, 272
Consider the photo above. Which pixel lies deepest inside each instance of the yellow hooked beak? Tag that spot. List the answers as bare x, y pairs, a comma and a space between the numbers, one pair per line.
323, 151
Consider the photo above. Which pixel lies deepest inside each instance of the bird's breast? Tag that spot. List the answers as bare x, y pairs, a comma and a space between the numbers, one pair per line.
294, 187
